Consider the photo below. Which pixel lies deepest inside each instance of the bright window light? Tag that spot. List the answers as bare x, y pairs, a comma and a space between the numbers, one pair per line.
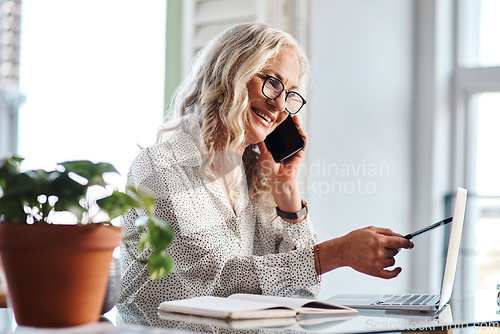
93, 74
488, 139
479, 29
489, 28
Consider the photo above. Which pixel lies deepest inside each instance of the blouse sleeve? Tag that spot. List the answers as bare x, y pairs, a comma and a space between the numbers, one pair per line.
211, 259
298, 277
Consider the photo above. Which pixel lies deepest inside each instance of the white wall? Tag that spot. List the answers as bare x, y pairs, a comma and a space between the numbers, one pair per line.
360, 131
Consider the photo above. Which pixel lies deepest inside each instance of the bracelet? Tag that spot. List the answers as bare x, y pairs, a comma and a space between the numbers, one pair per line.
319, 264
293, 215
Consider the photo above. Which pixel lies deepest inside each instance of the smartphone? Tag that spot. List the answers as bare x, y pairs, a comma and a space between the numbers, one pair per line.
285, 140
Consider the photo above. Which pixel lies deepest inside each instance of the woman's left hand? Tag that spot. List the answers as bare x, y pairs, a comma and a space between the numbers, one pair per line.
282, 176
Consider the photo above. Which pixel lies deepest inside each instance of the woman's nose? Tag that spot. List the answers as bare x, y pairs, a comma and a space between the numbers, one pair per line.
279, 103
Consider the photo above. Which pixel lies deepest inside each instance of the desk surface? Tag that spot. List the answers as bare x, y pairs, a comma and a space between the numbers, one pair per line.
137, 318
365, 322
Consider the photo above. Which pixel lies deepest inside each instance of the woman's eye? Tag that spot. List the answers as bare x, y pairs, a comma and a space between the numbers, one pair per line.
275, 83
293, 97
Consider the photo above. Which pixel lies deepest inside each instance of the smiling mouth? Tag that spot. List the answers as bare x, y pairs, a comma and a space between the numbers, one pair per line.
263, 116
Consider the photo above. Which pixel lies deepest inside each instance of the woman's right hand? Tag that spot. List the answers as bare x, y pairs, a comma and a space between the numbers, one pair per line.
370, 250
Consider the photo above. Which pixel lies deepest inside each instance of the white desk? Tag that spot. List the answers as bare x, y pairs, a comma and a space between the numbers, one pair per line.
136, 319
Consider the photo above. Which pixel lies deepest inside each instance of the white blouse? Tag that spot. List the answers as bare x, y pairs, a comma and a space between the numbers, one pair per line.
217, 250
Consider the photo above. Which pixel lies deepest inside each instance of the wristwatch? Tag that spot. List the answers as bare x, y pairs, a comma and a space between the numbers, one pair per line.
293, 215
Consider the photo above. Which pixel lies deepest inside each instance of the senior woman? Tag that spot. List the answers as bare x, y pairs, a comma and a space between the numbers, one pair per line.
240, 224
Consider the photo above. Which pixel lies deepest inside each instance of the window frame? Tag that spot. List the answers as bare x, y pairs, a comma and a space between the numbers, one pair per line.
442, 125
10, 97
468, 81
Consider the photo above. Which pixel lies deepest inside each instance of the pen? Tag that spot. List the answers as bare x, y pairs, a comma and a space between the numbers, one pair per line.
428, 228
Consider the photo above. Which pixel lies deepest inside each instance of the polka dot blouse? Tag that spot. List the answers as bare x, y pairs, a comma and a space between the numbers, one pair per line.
217, 250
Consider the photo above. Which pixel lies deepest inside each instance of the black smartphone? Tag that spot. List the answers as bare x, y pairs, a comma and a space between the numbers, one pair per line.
285, 140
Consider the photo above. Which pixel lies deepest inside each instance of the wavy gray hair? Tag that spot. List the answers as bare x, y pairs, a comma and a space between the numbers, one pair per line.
215, 92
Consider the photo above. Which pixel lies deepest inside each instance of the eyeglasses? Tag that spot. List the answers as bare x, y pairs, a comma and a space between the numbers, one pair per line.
272, 89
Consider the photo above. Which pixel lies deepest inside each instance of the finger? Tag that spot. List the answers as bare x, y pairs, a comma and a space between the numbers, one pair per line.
297, 121
264, 152
389, 262
262, 147
387, 231
391, 252
388, 274
302, 131
395, 242
266, 159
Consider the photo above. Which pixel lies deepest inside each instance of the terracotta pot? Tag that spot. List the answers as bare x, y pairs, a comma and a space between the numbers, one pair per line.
57, 274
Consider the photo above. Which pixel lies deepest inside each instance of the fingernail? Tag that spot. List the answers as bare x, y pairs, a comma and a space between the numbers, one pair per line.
412, 244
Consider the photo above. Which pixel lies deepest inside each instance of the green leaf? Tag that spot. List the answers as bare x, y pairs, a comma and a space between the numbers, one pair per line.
161, 233
93, 172
12, 210
22, 187
14, 190
145, 196
144, 242
117, 204
9, 167
68, 191
160, 265
41, 182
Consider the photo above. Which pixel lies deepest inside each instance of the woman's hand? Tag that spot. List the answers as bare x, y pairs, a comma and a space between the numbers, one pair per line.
369, 250
282, 177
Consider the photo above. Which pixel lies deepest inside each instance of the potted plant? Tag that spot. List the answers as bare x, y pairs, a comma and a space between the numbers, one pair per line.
56, 274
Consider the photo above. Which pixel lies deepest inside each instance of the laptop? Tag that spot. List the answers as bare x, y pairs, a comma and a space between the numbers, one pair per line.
418, 302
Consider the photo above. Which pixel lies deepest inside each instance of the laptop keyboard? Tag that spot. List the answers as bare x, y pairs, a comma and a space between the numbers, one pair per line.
404, 300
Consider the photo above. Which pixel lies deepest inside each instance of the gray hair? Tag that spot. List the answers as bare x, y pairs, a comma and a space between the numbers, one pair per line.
215, 92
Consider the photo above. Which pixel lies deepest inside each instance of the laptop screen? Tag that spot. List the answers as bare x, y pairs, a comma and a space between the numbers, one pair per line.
453, 247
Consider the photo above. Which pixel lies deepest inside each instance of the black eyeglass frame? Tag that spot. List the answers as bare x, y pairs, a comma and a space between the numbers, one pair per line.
266, 77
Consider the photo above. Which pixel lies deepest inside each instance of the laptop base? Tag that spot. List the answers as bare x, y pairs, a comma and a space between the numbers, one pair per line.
382, 302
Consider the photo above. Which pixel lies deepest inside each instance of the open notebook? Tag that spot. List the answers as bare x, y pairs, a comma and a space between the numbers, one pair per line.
248, 306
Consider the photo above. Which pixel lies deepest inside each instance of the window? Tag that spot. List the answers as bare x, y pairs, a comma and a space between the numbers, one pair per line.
481, 256
10, 98
479, 27
486, 112
477, 100
93, 76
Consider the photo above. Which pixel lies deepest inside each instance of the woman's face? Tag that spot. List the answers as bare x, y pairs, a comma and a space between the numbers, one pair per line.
263, 114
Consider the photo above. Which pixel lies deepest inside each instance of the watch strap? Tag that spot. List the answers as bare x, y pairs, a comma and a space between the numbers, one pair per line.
293, 215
